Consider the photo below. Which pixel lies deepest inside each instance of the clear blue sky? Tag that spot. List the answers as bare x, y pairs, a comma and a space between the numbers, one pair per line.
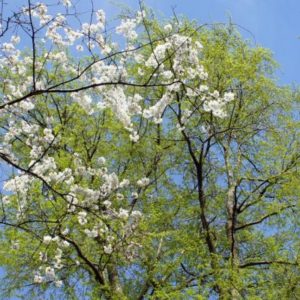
275, 24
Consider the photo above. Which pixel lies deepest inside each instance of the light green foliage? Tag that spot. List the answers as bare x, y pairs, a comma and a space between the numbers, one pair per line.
225, 225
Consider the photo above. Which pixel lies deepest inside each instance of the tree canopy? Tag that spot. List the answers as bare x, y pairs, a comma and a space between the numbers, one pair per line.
149, 159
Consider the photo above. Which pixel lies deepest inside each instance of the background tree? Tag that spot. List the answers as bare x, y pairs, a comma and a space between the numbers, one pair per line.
163, 166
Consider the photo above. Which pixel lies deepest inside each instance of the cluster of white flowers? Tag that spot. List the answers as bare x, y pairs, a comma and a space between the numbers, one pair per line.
158, 55
168, 28
143, 182
157, 109
52, 267
47, 239
91, 233
92, 228
124, 107
85, 101
186, 71
108, 249
214, 103
50, 275
123, 213
127, 29
82, 217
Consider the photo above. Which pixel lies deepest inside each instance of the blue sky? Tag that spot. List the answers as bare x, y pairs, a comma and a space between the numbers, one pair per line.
275, 24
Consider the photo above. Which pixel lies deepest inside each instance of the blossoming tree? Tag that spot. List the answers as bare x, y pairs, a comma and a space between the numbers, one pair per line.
120, 149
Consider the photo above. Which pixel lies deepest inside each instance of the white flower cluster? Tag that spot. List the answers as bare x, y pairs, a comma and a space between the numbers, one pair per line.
49, 272
127, 29
157, 109
178, 60
83, 204
158, 55
128, 26
143, 182
214, 103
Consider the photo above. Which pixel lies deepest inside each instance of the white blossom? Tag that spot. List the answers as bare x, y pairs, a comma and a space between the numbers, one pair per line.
38, 279
50, 273
64, 244
47, 239
91, 233
136, 214
82, 217
101, 160
134, 195
15, 39
58, 283
123, 213
228, 96
168, 28
107, 203
126, 28
134, 137
143, 182
108, 249
124, 183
